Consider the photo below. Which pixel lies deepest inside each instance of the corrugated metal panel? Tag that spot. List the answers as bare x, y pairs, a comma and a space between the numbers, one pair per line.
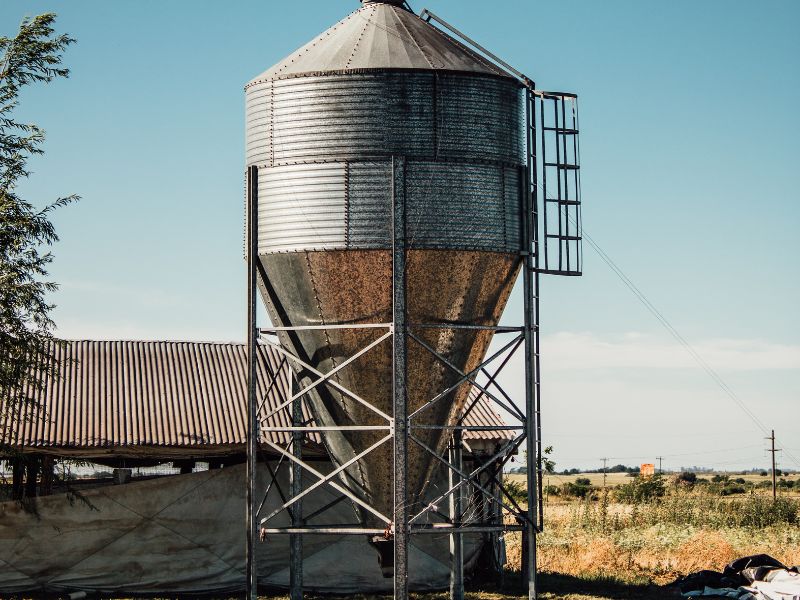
337, 206
131, 394
302, 207
484, 415
460, 206
362, 116
369, 205
512, 190
139, 396
339, 117
258, 124
480, 118
381, 36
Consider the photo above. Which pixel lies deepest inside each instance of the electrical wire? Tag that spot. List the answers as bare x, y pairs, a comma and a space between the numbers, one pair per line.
674, 332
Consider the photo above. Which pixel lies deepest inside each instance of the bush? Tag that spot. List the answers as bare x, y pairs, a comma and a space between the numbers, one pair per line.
552, 490
581, 488
516, 490
641, 489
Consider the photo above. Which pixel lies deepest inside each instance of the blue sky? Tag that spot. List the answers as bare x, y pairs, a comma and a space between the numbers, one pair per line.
689, 132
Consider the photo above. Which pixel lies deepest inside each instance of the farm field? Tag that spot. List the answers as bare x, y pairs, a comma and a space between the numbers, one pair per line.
615, 479
603, 548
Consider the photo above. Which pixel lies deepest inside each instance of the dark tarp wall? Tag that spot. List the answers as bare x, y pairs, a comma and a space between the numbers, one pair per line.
185, 534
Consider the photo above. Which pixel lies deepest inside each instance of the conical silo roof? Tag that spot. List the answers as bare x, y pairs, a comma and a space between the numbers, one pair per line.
380, 35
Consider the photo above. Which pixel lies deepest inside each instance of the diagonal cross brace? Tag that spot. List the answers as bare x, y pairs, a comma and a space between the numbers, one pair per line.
506, 450
273, 381
326, 479
464, 377
333, 383
491, 381
333, 484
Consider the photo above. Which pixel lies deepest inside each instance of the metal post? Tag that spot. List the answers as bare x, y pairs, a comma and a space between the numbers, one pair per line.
252, 419
774, 469
296, 487
531, 292
399, 379
456, 512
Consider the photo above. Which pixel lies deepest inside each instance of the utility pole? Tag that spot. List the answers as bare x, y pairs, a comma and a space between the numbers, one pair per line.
605, 471
659, 459
771, 438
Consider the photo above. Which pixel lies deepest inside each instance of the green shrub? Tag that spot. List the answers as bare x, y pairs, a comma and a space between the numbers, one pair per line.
641, 489
516, 490
581, 488
552, 490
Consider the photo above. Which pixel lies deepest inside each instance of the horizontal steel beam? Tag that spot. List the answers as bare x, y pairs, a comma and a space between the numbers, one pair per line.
495, 328
388, 326
321, 531
445, 528
466, 427
312, 428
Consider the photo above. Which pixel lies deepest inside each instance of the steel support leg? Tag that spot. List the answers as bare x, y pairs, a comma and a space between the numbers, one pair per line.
296, 487
531, 307
456, 511
251, 569
399, 380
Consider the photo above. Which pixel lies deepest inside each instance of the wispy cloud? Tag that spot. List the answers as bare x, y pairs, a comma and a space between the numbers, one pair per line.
570, 350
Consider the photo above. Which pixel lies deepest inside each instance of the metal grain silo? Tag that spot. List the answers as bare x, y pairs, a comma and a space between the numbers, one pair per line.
323, 126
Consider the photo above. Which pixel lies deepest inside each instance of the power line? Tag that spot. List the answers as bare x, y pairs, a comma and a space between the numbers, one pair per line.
674, 332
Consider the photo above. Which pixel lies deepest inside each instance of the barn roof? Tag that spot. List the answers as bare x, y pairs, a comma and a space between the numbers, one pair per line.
160, 399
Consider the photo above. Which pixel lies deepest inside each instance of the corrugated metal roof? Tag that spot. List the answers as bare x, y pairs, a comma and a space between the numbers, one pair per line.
381, 36
156, 397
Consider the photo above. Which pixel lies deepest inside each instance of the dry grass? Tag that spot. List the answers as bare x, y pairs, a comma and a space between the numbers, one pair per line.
655, 543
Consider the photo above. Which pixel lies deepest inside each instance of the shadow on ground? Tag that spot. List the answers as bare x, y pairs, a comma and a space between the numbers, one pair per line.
558, 586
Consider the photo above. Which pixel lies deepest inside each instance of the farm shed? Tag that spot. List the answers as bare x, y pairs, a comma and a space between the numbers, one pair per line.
137, 404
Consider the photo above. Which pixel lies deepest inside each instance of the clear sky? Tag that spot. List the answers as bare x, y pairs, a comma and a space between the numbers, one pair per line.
689, 133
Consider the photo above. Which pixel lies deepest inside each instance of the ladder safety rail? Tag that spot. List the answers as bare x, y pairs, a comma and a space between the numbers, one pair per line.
556, 161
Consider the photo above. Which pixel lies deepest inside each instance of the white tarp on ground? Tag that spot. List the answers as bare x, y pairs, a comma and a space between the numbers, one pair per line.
185, 534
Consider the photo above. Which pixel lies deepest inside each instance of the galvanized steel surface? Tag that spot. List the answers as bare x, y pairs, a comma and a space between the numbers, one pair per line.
436, 115
133, 398
380, 36
347, 205
324, 145
355, 286
323, 127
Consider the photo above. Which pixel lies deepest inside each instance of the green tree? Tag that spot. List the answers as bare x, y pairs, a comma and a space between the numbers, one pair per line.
32, 56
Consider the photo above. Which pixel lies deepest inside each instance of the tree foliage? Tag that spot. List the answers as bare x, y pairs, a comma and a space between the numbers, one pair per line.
32, 56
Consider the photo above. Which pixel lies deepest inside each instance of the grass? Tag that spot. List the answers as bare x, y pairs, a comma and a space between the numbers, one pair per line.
615, 479
657, 542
